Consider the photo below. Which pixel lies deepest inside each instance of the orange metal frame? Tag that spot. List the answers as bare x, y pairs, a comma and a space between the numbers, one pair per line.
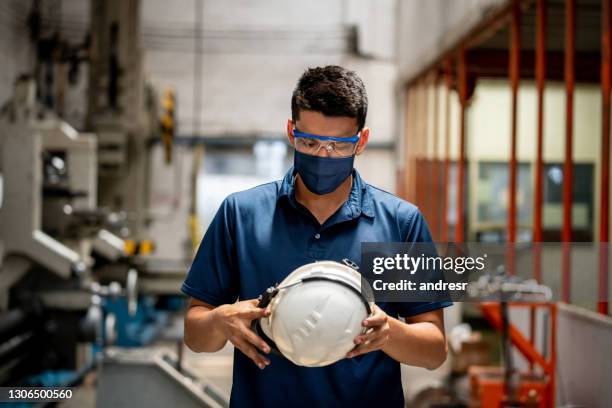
463, 100
604, 220
514, 69
435, 163
540, 71
566, 233
453, 64
448, 81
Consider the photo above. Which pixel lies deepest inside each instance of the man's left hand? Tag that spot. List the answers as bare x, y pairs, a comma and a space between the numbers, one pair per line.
377, 335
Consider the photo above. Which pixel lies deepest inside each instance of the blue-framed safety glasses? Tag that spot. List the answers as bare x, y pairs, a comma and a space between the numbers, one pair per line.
335, 146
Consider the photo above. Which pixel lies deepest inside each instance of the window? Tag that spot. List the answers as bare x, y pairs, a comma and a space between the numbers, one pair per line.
492, 198
582, 202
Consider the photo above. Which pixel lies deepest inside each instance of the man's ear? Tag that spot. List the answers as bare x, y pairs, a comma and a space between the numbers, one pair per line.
290, 131
363, 140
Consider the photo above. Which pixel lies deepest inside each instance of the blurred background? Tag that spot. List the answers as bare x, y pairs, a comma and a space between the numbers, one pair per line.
124, 124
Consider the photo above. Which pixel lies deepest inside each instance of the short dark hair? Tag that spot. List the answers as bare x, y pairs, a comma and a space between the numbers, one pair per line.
332, 91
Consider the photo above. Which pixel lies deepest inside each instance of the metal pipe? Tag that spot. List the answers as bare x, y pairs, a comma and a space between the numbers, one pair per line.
540, 74
409, 148
604, 205
425, 184
421, 135
462, 78
540, 71
435, 177
445, 183
402, 168
514, 70
566, 235
405, 171
421, 143
417, 142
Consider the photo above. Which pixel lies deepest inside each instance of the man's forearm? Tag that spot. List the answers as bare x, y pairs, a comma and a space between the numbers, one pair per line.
418, 344
201, 331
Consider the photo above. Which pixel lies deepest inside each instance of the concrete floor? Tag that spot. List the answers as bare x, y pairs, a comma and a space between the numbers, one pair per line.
216, 367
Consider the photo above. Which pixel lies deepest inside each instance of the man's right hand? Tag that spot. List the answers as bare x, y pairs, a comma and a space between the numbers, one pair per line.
234, 321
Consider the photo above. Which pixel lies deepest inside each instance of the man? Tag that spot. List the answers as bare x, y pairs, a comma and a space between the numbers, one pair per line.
322, 210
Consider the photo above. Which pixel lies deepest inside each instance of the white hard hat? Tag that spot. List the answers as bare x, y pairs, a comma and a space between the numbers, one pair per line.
316, 312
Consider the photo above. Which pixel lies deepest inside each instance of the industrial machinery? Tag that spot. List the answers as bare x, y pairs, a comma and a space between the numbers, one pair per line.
75, 275
51, 233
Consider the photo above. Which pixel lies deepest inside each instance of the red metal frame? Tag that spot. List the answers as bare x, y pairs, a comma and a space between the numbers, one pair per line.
540, 74
426, 186
403, 169
435, 176
514, 70
501, 16
448, 80
409, 146
540, 70
463, 98
414, 143
415, 140
422, 135
604, 206
418, 143
566, 235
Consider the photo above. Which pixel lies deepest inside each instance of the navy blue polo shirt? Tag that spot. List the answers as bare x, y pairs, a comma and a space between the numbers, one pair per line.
256, 239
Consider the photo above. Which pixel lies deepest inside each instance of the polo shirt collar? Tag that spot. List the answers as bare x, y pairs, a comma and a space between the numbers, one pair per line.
359, 200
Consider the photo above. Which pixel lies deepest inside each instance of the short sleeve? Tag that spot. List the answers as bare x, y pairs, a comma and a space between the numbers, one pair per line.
418, 232
212, 277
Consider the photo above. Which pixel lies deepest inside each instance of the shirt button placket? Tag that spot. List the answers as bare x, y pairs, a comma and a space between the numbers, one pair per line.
315, 247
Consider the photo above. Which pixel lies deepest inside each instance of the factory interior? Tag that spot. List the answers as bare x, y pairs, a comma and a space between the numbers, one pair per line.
124, 124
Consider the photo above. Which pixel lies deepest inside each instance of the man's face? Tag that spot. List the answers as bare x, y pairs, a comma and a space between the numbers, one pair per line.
316, 123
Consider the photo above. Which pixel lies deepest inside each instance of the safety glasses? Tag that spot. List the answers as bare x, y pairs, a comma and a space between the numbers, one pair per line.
335, 146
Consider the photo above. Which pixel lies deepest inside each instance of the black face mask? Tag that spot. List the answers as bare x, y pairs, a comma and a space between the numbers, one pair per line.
322, 175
